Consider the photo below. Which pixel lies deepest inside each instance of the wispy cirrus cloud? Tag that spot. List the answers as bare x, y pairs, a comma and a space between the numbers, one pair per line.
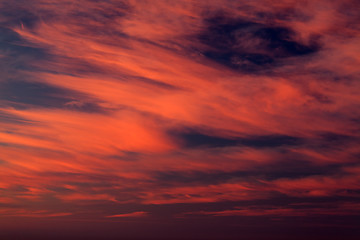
138, 107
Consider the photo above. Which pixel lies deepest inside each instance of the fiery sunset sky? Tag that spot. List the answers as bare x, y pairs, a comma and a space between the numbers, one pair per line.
179, 119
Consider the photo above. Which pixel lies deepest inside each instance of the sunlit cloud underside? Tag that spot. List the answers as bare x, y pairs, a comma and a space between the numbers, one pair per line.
174, 111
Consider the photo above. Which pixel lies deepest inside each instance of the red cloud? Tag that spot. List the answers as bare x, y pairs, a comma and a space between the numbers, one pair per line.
126, 75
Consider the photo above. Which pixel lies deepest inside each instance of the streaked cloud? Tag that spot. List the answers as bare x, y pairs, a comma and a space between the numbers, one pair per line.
130, 109
133, 214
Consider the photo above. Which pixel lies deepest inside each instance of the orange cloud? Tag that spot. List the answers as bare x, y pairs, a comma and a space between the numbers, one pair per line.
107, 103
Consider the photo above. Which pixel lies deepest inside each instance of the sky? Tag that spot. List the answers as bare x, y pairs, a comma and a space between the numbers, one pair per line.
179, 119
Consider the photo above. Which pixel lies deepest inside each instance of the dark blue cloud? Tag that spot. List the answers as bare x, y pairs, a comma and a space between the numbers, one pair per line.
17, 52
251, 46
270, 141
34, 93
194, 138
15, 13
289, 168
23, 93
280, 42
335, 138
